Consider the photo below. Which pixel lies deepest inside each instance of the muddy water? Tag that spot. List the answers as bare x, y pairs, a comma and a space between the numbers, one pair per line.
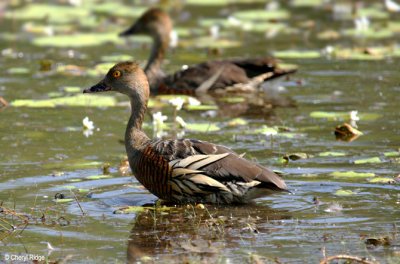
44, 152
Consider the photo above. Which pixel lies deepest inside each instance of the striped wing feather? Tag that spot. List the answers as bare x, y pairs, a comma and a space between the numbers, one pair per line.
202, 167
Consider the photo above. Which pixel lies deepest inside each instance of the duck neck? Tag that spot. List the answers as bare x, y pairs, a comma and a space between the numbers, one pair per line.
153, 67
135, 137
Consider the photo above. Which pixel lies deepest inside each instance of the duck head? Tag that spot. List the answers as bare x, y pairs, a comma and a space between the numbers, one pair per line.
126, 78
154, 22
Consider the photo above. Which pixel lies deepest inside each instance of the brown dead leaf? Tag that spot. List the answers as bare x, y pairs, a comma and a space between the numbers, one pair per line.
346, 132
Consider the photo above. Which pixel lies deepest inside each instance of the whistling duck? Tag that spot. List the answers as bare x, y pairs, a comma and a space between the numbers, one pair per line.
183, 170
236, 74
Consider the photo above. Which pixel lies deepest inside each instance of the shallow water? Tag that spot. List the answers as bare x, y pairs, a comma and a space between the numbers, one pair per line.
44, 152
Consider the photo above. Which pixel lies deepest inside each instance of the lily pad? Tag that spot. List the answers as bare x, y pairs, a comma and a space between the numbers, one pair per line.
332, 154
77, 40
65, 200
260, 14
329, 115
297, 54
373, 13
207, 2
201, 107
202, 127
118, 9
343, 192
306, 3
382, 180
52, 13
69, 187
392, 154
370, 33
129, 210
237, 122
98, 177
72, 89
117, 58
368, 160
18, 70
352, 174
266, 130
76, 100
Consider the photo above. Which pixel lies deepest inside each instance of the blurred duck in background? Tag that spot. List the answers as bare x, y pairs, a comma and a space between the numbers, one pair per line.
237, 75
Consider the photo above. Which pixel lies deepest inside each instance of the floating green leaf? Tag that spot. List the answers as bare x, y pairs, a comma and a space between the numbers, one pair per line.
343, 192
237, 122
207, 2
332, 153
18, 70
98, 177
129, 210
75, 180
352, 174
202, 127
77, 40
72, 89
381, 180
118, 9
306, 3
201, 107
264, 27
368, 160
373, 13
65, 200
260, 14
297, 54
69, 187
116, 58
370, 33
392, 154
329, 115
76, 100
52, 13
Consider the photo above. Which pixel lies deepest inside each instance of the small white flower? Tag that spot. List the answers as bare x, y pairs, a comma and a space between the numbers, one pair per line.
234, 21
361, 23
329, 50
214, 31
87, 124
392, 6
180, 121
173, 39
49, 246
177, 103
354, 115
193, 101
88, 127
354, 118
158, 121
87, 132
184, 67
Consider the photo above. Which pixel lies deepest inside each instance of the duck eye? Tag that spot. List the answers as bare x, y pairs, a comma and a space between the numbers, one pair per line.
116, 74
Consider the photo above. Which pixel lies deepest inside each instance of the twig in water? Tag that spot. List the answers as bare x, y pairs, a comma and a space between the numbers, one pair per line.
347, 257
80, 207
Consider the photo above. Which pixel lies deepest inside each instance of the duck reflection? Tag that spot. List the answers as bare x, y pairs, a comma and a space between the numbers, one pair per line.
179, 234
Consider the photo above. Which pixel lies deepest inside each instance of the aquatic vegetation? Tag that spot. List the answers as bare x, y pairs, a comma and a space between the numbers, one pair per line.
346, 75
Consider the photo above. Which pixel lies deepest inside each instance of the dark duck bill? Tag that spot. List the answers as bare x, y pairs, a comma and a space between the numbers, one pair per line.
100, 87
